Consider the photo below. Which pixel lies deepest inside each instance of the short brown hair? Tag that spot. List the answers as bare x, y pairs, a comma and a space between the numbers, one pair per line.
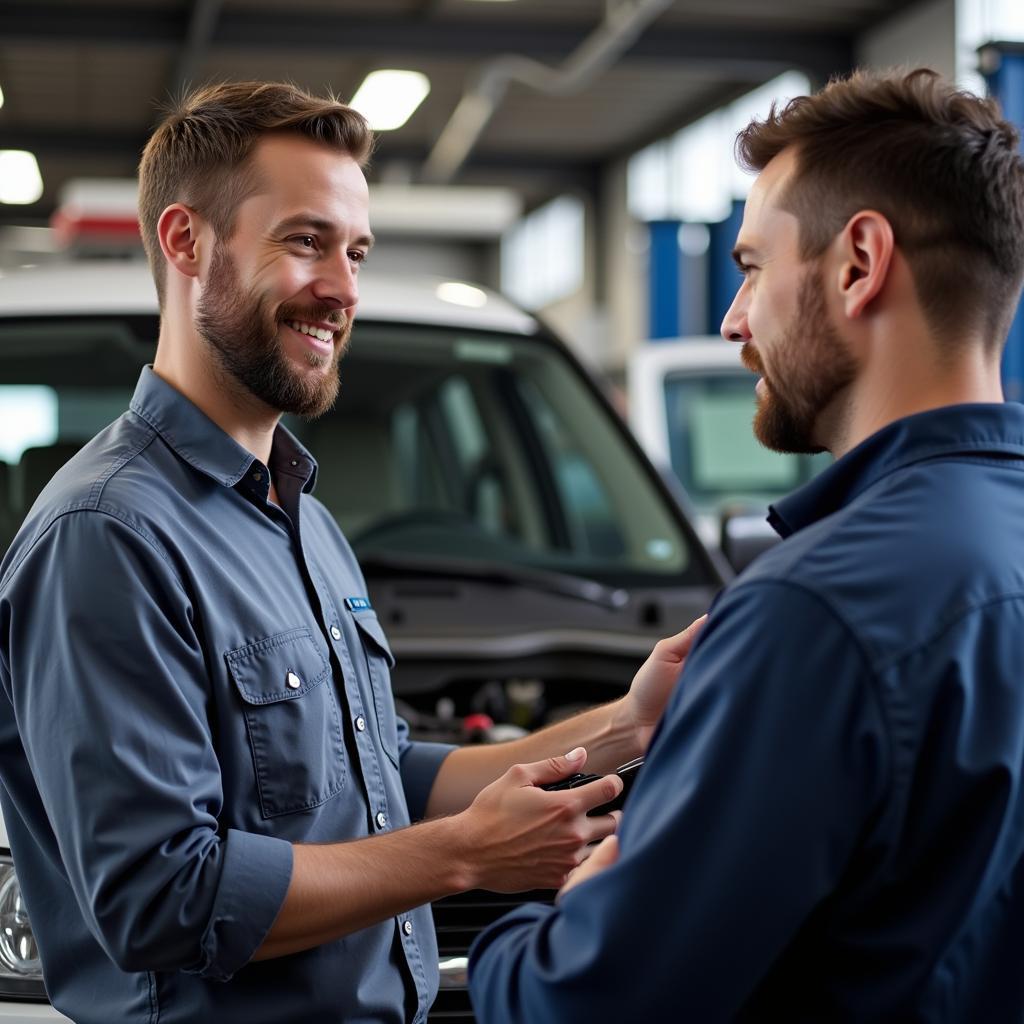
941, 165
198, 153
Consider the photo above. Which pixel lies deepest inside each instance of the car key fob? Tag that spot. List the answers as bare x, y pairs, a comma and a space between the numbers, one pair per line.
627, 772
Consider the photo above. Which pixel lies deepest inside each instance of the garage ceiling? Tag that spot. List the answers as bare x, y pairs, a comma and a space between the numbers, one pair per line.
83, 81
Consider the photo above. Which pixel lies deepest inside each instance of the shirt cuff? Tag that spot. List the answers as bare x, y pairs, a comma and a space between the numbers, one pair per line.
497, 958
254, 880
420, 765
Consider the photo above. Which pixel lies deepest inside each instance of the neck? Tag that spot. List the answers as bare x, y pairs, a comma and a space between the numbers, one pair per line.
185, 362
907, 374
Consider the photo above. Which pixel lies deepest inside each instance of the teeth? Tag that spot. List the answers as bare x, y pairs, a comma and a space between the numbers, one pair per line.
314, 332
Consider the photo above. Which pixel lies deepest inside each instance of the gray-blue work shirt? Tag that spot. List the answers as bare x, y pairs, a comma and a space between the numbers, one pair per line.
194, 681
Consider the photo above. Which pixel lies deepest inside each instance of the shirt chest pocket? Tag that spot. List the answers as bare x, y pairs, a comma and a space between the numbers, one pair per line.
292, 719
379, 662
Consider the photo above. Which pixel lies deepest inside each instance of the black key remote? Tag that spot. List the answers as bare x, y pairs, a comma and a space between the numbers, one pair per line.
627, 772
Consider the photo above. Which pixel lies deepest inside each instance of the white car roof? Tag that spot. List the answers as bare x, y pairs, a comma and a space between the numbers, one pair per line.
682, 355
654, 361
126, 287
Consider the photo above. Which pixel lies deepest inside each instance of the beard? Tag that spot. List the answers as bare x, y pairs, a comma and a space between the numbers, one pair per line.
810, 367
243, 335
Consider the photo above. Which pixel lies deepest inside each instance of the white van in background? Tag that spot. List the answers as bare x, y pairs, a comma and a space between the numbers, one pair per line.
691, 405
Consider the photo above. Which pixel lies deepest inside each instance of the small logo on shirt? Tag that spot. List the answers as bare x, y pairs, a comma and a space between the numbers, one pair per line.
358, 604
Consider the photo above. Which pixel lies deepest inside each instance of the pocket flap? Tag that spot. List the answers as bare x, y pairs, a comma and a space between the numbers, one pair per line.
279, 667
369, 625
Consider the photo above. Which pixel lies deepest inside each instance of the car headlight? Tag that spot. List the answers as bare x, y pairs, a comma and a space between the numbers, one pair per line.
21, 973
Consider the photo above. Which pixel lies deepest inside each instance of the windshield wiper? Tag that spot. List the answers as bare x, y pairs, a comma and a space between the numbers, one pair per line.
547, 580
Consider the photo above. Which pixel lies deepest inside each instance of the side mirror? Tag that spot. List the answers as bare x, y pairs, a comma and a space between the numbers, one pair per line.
744, 536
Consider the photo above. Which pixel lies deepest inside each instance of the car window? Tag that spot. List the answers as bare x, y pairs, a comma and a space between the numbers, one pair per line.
471, 446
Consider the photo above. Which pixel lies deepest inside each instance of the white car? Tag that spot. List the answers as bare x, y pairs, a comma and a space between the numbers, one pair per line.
521, 552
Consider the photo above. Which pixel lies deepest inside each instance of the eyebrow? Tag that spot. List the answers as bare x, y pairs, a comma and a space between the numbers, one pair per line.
319, 224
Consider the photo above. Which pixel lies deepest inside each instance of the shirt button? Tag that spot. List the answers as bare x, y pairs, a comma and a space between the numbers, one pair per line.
335, 632
293, 680
257, 476
382, 819
407, 927
295, 462
360, 723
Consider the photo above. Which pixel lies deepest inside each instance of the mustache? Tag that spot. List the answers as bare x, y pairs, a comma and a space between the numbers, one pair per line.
329, 315
751, 359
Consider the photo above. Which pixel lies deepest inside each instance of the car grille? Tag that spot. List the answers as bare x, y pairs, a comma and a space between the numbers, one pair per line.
459, 919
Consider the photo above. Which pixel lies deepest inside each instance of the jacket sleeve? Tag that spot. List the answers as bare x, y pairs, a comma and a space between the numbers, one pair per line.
107, 678
769, 760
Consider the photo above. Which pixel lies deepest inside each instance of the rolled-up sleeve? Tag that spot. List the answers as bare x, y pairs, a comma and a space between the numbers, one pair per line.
769, 760
420, 763
108, 682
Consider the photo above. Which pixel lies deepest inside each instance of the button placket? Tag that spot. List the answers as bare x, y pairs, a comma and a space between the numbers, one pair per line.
366, 749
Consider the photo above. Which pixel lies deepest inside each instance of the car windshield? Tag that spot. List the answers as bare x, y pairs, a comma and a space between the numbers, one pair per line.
712, 447
444, 445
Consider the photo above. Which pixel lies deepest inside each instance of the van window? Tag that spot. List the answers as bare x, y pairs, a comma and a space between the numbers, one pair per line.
712, 446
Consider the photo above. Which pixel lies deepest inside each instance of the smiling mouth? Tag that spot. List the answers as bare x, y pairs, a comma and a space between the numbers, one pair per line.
312, 330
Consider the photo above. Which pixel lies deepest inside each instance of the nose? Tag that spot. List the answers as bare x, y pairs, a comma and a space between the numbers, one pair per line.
734, 324
336, 283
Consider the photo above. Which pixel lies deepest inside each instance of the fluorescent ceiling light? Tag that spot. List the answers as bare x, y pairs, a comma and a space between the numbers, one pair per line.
460, 294
20, 180
387, 99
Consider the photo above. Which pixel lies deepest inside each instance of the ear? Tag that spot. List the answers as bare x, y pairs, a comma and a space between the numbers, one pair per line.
178, 230
865, 251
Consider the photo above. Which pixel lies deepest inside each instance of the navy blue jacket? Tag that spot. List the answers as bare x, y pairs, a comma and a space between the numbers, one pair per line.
830, 823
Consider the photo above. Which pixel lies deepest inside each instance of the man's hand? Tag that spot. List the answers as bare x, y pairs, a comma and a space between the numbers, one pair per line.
520, 837
605, 854
656, 679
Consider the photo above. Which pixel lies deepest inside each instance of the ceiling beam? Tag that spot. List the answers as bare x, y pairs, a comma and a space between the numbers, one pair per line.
818, 52
128, 146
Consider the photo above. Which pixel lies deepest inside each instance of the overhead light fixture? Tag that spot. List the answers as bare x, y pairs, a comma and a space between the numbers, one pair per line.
20, 180
460, 294
1, 97
387, 99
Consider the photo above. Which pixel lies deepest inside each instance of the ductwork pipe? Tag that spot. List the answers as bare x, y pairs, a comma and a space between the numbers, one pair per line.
623, 23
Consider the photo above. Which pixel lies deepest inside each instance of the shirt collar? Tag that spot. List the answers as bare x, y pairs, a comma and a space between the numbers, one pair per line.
979, 429
196, 439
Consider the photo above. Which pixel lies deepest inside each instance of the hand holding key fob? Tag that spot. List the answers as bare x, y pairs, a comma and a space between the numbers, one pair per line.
627, 772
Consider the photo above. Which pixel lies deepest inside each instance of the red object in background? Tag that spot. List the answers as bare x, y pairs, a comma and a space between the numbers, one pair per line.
70, 227
477, 724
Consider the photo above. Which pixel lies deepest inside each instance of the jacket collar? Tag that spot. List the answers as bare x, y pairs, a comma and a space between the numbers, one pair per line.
977, 429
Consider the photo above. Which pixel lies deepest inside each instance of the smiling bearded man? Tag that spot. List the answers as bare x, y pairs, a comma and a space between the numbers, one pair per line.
243, 330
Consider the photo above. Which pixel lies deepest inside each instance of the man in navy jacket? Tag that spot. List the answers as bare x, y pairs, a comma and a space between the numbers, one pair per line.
830, 822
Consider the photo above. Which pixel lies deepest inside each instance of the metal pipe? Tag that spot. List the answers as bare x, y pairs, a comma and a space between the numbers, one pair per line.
623, 23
